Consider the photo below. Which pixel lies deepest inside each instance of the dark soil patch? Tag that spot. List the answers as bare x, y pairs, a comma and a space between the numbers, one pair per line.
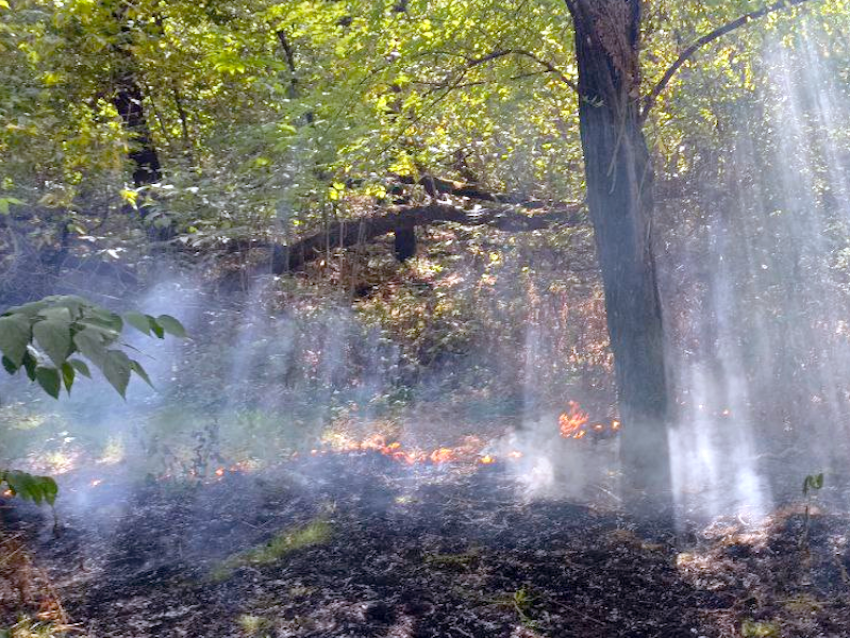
429, 554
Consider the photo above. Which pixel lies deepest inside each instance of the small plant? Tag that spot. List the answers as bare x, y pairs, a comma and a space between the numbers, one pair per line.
254, 626
812, 483
759, 629
521, 601
54, 340
315, 533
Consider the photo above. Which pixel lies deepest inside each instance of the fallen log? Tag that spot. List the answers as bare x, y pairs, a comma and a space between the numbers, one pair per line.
403, 220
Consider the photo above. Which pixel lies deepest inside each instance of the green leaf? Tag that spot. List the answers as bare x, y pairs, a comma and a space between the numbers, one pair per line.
30, 309
30, 364
60, 312
10, 367
49, 488
90, 344
172, 326
30, 487
5, 201
49, 380
54, 337
157, 329
116, 368
15, 334
105, 318
81, 367
140, 322
136, 367
68, 374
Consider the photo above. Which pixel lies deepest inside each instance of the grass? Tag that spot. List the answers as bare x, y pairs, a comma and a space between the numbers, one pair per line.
254, 626
289, 540
29, 628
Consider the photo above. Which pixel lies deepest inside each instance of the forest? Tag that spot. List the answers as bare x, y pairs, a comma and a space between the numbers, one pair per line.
408, 319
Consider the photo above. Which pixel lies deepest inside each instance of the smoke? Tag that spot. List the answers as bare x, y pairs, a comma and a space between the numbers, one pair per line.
762, 351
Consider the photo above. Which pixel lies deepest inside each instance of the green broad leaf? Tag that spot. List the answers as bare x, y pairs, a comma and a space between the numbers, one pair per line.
116, 368
30, 309
6, 201
107, 328
81, 367
49, 380
54, 337
140, 322
15, 335
68, 374
31, 487
62, 313
157, 329
136, 367
30, 363
106, 318
49, 488
10, 367
172, 326
90, 343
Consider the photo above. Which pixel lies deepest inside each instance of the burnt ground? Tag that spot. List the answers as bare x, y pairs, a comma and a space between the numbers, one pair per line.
434, 553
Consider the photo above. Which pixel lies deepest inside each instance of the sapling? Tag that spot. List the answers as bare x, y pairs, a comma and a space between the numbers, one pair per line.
812, 483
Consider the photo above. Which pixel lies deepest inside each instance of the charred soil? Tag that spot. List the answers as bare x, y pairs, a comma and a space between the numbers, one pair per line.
358, 545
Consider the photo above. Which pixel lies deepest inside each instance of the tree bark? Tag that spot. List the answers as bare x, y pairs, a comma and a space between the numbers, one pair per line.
619, 181
143, 154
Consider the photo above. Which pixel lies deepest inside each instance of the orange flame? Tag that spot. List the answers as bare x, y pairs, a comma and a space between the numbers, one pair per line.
469, 451
573, 421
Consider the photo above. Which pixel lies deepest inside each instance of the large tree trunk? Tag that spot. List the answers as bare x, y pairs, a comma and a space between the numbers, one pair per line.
619, 195
143, 155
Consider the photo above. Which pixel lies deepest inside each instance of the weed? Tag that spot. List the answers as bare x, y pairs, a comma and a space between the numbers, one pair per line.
812, 483
759, 629
315, 533
254, 626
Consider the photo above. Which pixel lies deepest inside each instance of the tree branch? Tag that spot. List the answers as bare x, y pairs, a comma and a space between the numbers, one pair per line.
550, 68
651, 99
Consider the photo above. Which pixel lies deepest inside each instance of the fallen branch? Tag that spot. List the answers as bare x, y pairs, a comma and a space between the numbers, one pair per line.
347, 233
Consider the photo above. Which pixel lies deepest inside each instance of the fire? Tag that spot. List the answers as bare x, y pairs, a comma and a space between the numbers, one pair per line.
8, 493
573, 421
469, 451
219, 472
96, 482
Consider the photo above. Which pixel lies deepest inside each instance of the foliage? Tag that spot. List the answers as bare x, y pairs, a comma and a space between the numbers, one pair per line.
812, 483
51, 341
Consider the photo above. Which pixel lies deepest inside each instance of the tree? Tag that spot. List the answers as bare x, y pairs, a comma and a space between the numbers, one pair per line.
619, 181
52, 340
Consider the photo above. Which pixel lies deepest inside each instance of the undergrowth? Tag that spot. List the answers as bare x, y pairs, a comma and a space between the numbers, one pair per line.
287, 541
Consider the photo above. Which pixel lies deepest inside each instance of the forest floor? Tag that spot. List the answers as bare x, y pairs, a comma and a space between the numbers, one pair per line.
358, 545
